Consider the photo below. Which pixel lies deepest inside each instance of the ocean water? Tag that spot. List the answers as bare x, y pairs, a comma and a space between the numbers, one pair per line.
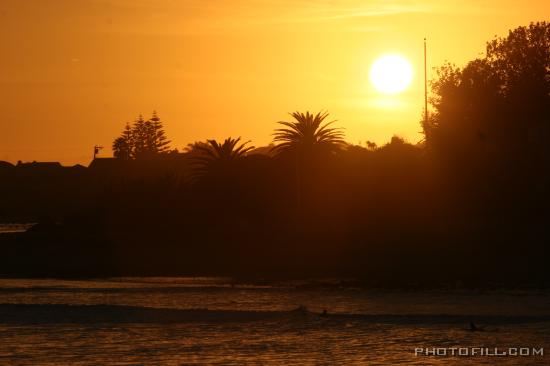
196, 321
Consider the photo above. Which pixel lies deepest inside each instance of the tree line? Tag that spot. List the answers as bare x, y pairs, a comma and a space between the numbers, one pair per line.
494, 107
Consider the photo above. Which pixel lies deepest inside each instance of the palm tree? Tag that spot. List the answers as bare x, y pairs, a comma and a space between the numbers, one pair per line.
308, 133
308, 139
207, 156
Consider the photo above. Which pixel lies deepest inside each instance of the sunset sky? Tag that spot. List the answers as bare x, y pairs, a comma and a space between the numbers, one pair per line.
73, 72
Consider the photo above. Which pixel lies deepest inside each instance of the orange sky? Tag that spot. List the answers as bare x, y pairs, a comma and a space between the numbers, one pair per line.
74, 71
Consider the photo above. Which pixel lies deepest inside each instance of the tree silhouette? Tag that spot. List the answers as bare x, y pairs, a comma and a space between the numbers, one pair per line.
123, 145
140, 133
371, 145
213, 155
309, 142
158, 141
144, 138
496, 104
308, 133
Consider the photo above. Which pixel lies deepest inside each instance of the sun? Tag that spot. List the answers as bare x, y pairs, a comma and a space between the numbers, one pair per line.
391, 74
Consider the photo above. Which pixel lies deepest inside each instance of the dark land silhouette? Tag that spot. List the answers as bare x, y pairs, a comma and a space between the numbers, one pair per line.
468, 206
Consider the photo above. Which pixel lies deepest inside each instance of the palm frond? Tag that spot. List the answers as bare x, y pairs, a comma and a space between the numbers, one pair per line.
309, 132
205, 156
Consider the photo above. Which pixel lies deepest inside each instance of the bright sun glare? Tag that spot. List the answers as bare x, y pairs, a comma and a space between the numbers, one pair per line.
391, 74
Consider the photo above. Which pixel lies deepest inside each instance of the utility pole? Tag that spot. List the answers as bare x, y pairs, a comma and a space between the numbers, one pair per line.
96, 150
425, 86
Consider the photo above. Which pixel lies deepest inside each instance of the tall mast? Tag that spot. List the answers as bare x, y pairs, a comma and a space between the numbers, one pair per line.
425, 86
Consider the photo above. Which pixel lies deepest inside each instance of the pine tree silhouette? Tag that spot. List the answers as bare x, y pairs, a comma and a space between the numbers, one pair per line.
123, 146
139, 133
143, 138
159, 142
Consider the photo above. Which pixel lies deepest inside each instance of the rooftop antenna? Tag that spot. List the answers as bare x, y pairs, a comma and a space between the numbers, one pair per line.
97, 148
425, 86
